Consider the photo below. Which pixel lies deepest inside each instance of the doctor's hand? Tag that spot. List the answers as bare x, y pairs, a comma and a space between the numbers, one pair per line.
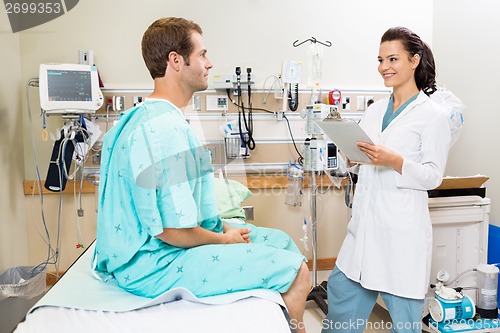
380, 155
236, 235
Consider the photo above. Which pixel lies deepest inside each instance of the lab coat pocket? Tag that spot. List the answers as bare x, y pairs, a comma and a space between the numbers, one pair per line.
357, 215
397, 211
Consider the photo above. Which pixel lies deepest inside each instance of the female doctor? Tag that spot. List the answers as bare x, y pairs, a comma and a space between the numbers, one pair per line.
388, 246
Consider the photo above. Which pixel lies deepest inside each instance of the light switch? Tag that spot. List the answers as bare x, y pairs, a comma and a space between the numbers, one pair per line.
197, 103
360, 103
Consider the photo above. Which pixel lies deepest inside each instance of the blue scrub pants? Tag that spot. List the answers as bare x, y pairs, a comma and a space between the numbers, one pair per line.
350, 305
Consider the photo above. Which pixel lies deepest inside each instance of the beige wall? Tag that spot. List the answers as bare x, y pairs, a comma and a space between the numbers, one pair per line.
332, 217
73, 230
13, 228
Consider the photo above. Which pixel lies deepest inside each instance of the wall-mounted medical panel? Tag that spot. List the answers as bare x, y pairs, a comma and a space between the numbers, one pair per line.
217, 118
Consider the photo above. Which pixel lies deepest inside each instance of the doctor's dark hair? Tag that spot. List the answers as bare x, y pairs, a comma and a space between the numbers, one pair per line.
425, 73
165, 35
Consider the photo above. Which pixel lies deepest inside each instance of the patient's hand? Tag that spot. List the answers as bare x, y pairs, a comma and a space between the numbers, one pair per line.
236, 235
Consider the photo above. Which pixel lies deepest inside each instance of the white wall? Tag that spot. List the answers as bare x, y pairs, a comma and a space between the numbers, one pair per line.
467, 49
13, 229
253, 33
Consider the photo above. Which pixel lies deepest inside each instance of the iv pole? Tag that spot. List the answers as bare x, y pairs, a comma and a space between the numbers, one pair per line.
318, 292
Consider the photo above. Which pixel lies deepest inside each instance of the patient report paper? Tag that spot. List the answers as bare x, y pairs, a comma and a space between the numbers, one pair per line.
345, 133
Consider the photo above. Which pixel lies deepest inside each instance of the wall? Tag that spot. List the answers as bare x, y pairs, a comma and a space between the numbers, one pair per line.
350, 63
13, 229
234, 35
467, 48
255, 33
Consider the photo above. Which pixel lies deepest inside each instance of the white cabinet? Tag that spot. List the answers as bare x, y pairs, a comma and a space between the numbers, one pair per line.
460, 238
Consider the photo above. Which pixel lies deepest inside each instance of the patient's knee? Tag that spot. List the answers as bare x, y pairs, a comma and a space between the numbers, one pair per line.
304, 277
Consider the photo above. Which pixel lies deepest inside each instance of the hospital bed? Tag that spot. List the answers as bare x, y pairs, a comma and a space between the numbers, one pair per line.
79, 302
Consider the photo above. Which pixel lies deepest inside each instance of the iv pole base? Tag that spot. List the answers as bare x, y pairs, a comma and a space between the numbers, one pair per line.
318, 295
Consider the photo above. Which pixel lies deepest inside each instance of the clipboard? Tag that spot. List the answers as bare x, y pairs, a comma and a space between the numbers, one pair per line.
345, 133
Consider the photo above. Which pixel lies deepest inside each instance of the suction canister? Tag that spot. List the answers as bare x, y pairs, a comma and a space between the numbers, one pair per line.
487, 282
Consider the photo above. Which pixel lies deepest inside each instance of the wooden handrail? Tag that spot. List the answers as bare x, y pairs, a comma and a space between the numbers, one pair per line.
31, 186
251, 181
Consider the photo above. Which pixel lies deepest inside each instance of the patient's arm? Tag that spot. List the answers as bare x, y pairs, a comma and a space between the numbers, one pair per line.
191, 237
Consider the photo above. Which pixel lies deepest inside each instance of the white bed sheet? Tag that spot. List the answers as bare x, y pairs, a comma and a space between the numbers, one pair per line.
81, 303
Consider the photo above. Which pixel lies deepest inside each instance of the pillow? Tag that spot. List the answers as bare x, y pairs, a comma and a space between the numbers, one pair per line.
229, 194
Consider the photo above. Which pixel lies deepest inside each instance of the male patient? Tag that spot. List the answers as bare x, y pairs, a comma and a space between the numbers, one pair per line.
158, 226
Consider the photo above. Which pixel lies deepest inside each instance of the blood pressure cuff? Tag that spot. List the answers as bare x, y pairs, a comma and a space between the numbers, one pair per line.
62, 154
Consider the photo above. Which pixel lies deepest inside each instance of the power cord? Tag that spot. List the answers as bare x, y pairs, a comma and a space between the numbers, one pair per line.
52, 253
301, 158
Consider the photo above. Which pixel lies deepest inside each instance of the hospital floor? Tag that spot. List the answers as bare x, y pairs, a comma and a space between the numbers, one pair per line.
313, 316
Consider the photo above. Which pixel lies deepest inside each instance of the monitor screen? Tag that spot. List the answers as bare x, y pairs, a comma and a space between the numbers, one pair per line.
66, 85
69, 88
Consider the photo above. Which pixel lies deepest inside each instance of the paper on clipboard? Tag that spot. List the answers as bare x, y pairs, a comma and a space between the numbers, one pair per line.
345, 133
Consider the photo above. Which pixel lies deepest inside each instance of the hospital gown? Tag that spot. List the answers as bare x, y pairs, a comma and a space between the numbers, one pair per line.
155, 174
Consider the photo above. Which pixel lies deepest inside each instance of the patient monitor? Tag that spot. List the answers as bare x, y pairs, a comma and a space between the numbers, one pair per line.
69, 89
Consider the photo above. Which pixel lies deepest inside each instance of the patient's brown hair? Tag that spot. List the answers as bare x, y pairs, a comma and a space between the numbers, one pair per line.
165, 35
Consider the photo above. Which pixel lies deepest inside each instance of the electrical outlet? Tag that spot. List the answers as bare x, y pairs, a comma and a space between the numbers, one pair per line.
115, 103
279, 115
369, 101
346, 103
137, 100
86, 57
118, 103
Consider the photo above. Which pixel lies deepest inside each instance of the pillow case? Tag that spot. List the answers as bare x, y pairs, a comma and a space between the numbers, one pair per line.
229, 194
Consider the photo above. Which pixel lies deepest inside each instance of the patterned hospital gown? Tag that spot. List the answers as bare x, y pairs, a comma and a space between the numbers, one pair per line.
155, 174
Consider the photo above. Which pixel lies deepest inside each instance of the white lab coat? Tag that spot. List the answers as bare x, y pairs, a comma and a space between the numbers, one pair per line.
388, 246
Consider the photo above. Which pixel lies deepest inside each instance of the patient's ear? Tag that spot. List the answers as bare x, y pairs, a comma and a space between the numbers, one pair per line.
174, 60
